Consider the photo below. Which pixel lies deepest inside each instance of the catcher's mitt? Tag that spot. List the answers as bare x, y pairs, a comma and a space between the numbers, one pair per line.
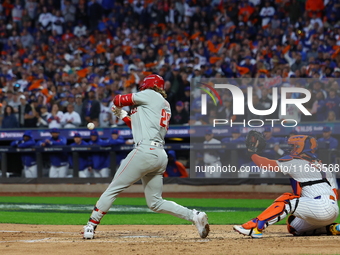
255, 142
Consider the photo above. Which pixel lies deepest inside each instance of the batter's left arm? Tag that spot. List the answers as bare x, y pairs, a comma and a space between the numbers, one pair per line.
123, 100
120, 101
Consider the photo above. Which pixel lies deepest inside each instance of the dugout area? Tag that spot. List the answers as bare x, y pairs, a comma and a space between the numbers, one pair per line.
56, 228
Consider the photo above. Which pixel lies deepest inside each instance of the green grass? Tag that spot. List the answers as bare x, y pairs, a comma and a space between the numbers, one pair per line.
206, 202
130, 211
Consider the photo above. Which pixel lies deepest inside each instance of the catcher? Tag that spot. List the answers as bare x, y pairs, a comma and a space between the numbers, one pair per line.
312, 207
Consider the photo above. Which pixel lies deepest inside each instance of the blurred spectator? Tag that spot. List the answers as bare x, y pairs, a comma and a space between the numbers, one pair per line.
71, 118
332, 103
238, 139
331, 117
101, 159
78, 105
321, 106
26, 39
58, 22
116, 140
314, 7
258, 106
84, 158
174, 167
327, 141
179, 115
95, 13
81, 13
270, 139
235, 137
15, 102
211, 157
43, 117
30, 114
55, 118
292, 111
267, 12
58, 160
337, 72
69, 11
91, 108
22, 110
28, 159
105, 116
9, 120
45, 20
80, 30
31, 7
17, 13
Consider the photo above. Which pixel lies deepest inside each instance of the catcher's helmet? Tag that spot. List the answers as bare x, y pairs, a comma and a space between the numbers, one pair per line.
301, 144
152, 80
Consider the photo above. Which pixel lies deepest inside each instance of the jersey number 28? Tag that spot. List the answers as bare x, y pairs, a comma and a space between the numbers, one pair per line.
165, 119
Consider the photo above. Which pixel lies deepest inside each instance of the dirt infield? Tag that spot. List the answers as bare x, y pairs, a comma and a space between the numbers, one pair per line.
169, 239
133, 239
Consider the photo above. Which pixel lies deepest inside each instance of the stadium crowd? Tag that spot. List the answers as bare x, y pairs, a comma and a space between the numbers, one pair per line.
62, 61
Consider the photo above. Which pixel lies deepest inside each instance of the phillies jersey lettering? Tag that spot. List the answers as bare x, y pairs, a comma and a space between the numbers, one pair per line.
150, 117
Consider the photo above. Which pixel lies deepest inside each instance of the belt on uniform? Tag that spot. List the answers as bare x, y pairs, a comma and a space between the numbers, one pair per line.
330, 197
153, 143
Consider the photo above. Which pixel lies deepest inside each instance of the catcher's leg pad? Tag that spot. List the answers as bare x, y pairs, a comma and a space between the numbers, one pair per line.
289, 227
286, 197
279, 209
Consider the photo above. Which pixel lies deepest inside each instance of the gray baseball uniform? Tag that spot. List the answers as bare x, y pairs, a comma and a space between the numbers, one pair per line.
147, 161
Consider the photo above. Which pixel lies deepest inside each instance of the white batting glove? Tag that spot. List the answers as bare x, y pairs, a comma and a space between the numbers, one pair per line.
119, 112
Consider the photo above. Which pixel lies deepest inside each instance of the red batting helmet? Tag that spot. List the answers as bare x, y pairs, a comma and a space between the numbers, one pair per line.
152, 80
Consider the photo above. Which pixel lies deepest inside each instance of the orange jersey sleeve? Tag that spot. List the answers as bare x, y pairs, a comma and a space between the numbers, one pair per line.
262, 161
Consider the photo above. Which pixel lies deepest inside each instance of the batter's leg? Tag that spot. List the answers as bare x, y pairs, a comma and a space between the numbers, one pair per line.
153, 187
131, 170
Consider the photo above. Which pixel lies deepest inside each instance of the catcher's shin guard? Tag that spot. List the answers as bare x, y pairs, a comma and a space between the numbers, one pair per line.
289, 227
274, 213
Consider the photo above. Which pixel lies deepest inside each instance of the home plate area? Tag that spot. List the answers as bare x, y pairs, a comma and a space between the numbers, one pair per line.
156, 239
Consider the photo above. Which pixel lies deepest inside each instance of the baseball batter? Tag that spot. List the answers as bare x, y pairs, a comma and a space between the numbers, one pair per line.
149, 121
313, 207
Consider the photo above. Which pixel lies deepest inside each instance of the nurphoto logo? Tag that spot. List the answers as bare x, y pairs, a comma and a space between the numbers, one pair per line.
239, 104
